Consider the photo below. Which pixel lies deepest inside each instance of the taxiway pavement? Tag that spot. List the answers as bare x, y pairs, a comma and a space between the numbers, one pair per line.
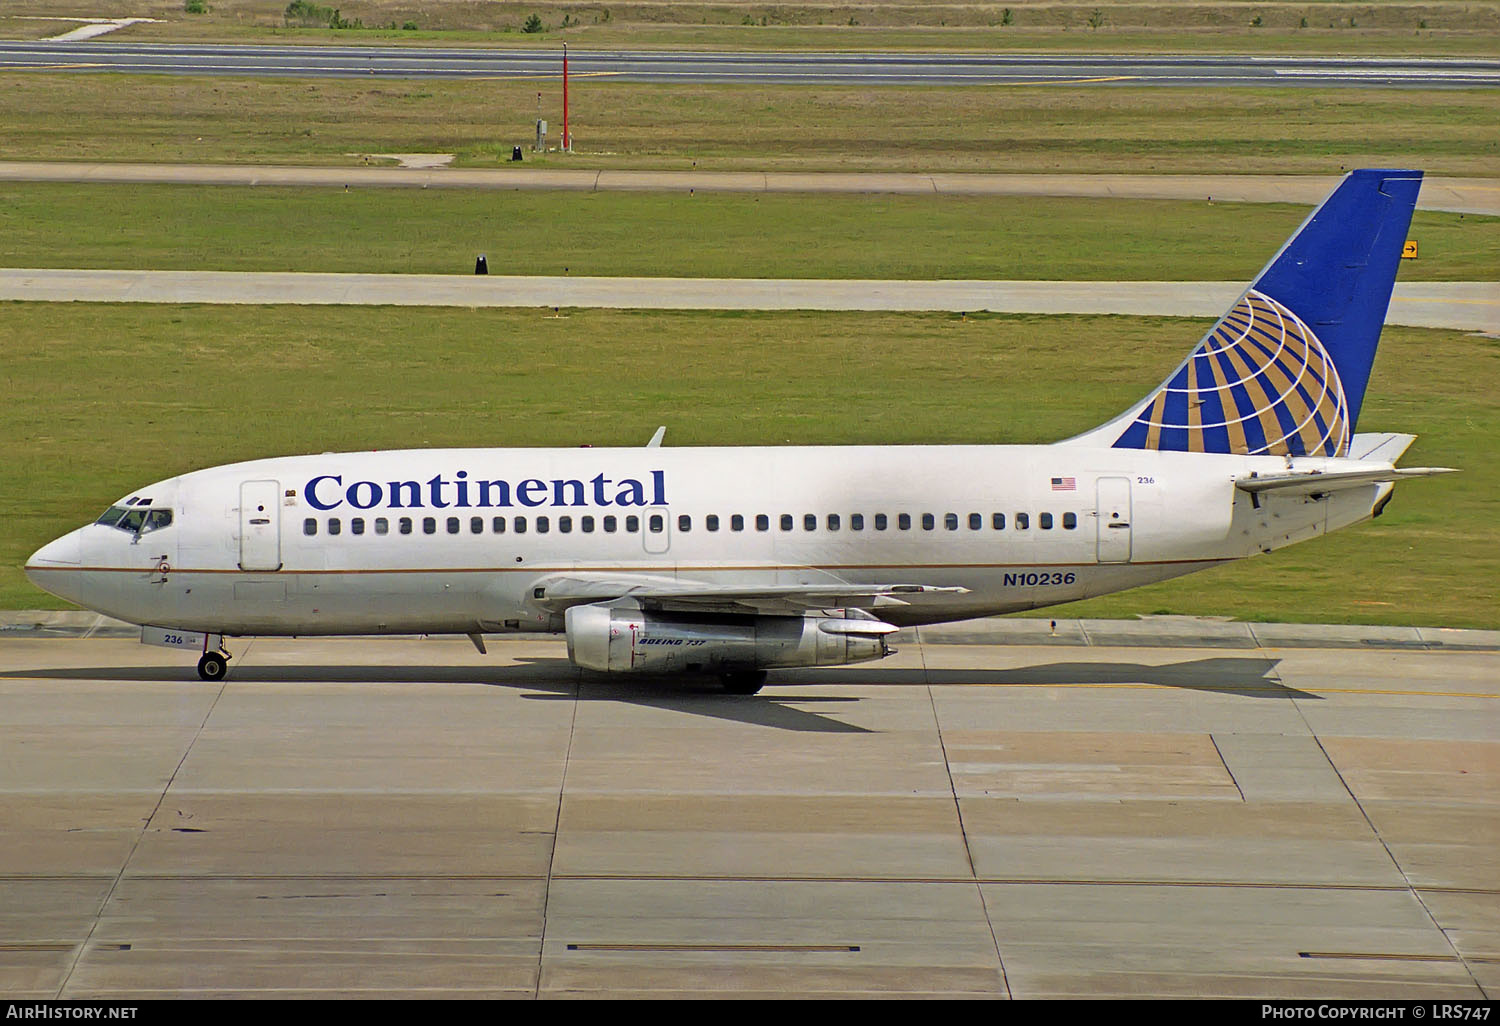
1224, 810
1439, 192
1466, 306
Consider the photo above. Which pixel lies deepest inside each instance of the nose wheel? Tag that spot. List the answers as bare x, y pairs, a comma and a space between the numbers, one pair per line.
213, 665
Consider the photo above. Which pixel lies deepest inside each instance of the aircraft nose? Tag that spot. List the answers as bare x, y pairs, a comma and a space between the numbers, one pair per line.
65, 551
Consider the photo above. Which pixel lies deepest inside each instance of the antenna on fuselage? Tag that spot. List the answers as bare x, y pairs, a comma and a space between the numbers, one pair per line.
655, 442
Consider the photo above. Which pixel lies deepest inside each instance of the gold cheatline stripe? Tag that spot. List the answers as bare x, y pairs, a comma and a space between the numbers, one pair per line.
634, 569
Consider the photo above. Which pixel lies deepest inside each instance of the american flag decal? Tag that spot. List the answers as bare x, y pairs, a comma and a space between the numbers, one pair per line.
1064, 484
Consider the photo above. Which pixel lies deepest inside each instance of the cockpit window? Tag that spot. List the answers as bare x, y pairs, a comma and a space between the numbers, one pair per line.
137, 520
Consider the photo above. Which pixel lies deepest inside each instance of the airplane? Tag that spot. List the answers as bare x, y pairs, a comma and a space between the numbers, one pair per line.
733, 561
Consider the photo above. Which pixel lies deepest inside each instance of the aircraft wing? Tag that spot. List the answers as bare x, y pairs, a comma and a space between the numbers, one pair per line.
557, 592
1316, 482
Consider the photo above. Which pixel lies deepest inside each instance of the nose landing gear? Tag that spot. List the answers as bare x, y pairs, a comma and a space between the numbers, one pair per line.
213, 665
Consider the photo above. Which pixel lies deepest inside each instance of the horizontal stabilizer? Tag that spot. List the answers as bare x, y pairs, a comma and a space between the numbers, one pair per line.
1314, 482
1385, 447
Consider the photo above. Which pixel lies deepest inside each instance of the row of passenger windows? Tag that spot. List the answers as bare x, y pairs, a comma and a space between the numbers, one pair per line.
656, 523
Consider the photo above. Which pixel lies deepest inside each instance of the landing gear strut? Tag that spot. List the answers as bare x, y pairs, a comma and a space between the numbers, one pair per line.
213, 665
744, 682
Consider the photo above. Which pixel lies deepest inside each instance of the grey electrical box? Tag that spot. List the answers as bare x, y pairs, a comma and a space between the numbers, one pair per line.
541, 135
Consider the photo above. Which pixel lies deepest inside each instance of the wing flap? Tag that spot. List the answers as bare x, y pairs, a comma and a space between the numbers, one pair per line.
557, 592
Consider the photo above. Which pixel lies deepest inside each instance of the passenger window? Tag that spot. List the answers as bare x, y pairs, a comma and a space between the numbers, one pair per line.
833, 521
856, 521
497, 524
632, 524
357, 525
998, 522
762, 522
310, 526
711, 522
656, 523
736, 523
586, 525
564, 525
809, 521
786, 521
476, 525
880, 521
382, 525
406, 525
1045, 521
903, 521
950, 521
976, 522
543, 525
429, 525
334, 525
928, 521
684, 523
610, 524
453, 525
1070, 521
518, 525
1023, 521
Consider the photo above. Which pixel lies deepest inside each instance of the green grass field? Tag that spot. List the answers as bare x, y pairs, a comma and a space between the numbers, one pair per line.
102, 399
1024, 129
669, 234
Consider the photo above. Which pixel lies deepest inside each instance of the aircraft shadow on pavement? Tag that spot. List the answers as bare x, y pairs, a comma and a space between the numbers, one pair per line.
545, 679
539, 679
1246, 676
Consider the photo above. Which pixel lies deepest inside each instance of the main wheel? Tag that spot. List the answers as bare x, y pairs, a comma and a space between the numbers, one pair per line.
213, 666
744, 682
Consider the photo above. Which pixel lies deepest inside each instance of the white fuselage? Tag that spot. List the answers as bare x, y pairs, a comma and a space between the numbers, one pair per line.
452, 541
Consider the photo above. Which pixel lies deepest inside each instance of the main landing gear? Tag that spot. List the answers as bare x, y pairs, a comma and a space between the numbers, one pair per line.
213, 665
743, 682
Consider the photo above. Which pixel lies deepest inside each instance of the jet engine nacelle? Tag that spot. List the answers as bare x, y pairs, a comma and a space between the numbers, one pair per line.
628, 640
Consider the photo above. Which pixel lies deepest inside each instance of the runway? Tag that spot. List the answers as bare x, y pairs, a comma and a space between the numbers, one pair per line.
1463, 306
1227, 812
809, 68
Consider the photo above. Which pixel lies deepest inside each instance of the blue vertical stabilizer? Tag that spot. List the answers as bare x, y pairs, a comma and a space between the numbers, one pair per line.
1284, 371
